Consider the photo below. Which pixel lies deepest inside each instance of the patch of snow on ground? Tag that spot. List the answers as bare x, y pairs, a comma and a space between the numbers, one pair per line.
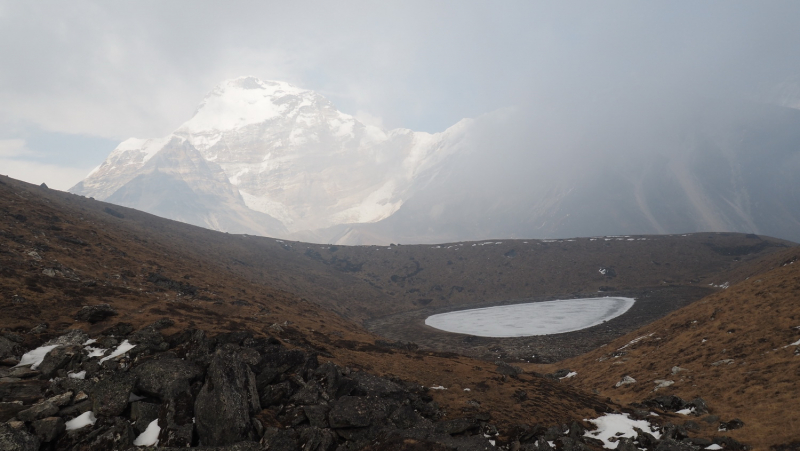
714, 446
150, 435
531, 319
95, 352
78, 375
569, 375
89, 341
685, 411
85, 419
123, 347
616, 425
438, 387
34, 358
796, 343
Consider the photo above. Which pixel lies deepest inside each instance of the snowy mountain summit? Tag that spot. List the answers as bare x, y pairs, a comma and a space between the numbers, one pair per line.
269, 158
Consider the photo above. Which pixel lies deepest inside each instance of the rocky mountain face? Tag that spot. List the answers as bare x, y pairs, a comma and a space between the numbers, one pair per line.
268, 158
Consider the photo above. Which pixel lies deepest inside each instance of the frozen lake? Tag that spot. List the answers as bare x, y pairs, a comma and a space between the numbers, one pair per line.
535, 318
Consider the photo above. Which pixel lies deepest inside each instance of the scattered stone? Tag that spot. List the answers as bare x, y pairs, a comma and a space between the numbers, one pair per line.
95, 313
722, 362
731, 425
41, 328
8, 348
625, 381
48, 429
37, 411
119, 330
677, 369
509, 370
661, 383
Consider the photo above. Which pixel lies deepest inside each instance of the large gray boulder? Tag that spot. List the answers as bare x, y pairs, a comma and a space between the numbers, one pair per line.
166, 378
227, 400
111, 395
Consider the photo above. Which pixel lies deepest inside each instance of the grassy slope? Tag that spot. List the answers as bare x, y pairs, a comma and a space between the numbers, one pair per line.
751, 322
42, 229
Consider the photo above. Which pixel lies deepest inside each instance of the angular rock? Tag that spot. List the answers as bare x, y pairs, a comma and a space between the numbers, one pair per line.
142, 414
95, 313
625, 381
369, 385
405, 417
456, 426
227, 399
176, 421
9, 349
166, 378
37, 411
317, 415
119, 330
8, 410
316, 439
111, 395
48, 429
509, 370
281, 439
275, 394
17, 440
359, 411
307, 395
118, 436
729, 443
59, 358
674, 445
731, 425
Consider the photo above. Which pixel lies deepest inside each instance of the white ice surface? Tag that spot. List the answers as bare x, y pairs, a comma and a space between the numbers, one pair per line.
150, 435
34, 358
611, 424
123, 347
535, 318
85, 419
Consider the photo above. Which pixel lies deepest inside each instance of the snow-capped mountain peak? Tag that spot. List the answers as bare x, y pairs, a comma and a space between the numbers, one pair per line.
244, 101
290, 154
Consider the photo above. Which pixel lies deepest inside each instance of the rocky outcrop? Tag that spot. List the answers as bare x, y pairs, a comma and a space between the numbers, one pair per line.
239, 392
227, 400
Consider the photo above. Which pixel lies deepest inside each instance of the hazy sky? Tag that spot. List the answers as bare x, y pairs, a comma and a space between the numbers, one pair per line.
78, 77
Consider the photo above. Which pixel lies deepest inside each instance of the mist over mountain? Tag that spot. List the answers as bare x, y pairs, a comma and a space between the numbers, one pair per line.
268, 158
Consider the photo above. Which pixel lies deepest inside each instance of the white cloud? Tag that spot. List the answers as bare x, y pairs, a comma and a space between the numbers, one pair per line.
13, 148
56, 177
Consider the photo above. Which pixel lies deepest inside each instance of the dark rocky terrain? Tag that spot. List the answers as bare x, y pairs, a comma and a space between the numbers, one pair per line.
237, 343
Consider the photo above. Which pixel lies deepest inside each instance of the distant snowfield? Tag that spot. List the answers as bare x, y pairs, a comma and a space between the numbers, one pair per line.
535, 318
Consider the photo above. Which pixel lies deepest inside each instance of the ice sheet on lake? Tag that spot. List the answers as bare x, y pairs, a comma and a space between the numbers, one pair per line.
535, 318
